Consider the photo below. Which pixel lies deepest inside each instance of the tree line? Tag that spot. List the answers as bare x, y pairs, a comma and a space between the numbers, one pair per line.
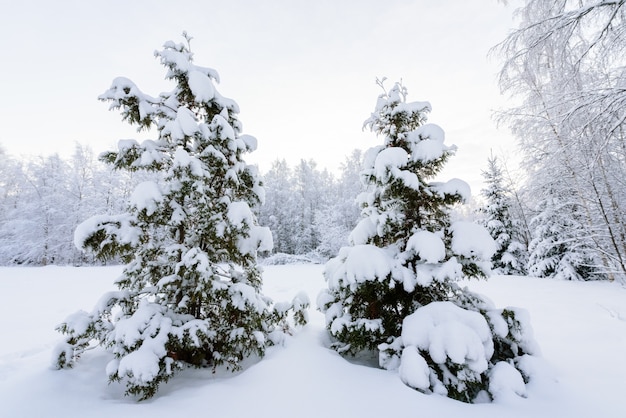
310, 211
43, 199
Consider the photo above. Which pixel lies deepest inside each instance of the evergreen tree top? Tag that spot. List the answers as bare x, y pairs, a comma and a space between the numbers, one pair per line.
410, 144
195, 92
394, 117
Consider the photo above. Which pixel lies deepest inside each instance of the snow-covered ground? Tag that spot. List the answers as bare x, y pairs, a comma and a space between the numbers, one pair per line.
581, 328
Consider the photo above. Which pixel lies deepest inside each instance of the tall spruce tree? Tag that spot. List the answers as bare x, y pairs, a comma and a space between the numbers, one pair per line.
510, 256
191, 291
394, 289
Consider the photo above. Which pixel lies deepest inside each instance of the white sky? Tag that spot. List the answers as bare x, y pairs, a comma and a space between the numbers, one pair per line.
303, 72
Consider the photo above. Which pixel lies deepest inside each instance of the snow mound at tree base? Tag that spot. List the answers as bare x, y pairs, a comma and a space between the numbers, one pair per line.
451, 351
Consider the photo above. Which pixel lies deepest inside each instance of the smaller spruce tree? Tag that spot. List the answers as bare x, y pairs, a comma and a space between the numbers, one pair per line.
510, 256
190, 293
561, 246
394, 291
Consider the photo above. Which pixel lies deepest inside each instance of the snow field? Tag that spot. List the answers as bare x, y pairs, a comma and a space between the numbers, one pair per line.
580, 328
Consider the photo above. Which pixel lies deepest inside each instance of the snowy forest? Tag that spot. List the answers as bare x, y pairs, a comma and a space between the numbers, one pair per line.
560, 214
309, 210
568, 225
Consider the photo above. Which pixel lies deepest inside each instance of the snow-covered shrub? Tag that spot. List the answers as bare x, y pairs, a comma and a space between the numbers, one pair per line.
394, 289
191, 291
453, 351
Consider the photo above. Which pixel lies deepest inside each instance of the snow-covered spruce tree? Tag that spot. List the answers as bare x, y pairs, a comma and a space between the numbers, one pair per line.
561, 247
394, 289
510, 256
191, 291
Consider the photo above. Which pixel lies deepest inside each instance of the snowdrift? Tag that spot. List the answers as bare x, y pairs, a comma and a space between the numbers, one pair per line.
580, 327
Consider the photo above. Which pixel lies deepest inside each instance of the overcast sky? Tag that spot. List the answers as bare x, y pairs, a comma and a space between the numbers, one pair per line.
303, 72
